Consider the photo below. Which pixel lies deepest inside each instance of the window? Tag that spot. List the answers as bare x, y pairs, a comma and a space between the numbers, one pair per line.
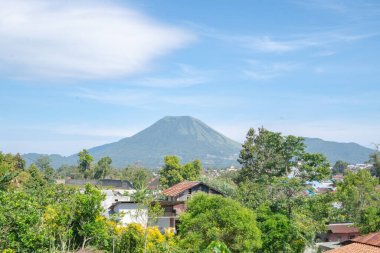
188, 193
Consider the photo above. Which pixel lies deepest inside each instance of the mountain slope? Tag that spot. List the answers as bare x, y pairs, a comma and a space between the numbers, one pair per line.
184, 136
350, 152
190, 139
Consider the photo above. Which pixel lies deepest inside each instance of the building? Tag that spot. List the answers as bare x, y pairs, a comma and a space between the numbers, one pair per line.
129, 212
185, 189
362, 244
339, 232
113, 196
175, 200
173, 204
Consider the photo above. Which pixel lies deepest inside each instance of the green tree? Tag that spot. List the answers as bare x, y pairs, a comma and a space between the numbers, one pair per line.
313, 167
71, 171
339, 167
369, 219
192, 170
217, 247
356, 193
88, 223
103, 167
267, 154
138, 176
173, 172
375, 160
210, 218
11, 166
21, 225
85, 160
43, 164
279, 234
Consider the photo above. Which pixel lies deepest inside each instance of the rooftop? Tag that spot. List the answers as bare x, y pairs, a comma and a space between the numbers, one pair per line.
362, 244
370, 239
343, 228
177, 189
356, 248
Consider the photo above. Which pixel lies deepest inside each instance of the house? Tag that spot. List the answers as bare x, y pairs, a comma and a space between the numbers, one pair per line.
362, 244
173, 204
175, 200
185, 189
113, 196
320, 187
339, 232
129, 212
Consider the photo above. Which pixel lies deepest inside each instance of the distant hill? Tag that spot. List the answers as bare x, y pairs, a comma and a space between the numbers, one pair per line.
184, 136
349, 152
56, 160
190, 139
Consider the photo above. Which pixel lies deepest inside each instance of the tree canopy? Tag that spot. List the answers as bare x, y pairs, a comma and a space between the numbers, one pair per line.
211, 217
174, 172
84, 161
339, 167
266, 155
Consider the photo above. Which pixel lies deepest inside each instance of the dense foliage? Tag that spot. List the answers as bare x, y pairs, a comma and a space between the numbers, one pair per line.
211, 217
37, 215
272, 181
266, 208
174, 172
339, 167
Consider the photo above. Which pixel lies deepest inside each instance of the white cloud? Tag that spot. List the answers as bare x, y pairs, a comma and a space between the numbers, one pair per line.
127, 97
283, 44
152, 99
188, 76
266, 44
72, 39
263, 71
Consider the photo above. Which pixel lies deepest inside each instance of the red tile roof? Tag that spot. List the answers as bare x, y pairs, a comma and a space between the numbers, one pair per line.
370, 239
177, 189
347, 228
356, 248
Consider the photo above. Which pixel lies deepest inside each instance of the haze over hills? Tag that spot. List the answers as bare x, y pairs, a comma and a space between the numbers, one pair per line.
190, 139
184, 136
350, 152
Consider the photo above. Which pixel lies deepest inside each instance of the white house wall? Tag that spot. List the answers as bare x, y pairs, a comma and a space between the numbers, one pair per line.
132, 213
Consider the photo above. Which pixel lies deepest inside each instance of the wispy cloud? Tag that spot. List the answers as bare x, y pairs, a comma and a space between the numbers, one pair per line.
69, 39
139, 98
187, 76
330, 5
321, 40
125, 97
261, 71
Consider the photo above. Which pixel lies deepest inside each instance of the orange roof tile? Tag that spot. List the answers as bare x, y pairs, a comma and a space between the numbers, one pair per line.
356, 248
177, 189
343, 228
370, 239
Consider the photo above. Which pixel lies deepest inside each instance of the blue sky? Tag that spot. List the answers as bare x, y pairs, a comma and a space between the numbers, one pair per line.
76, 74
